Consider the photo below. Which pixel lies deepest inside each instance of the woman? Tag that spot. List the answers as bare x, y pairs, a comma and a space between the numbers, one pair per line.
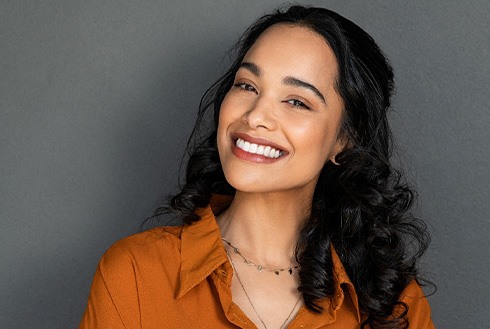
294, 216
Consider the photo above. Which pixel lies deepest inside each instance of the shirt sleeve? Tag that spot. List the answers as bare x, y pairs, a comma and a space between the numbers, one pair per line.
418, 307
113, 299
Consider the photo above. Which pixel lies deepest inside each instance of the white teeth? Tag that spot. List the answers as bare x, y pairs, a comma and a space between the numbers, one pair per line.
258, 149
246, 146
267, 151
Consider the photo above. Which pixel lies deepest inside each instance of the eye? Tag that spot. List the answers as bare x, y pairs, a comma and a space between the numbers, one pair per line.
298, 104
245, 86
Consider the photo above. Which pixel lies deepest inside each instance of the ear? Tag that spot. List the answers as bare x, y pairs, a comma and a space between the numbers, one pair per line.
342, 144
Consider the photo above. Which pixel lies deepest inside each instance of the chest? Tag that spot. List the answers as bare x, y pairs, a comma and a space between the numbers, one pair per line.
210, 305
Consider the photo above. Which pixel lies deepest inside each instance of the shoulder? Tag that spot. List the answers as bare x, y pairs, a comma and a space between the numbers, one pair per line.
142, 249
419, 314
142, 267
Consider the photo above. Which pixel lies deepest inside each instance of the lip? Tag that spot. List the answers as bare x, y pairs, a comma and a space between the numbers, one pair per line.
238, 152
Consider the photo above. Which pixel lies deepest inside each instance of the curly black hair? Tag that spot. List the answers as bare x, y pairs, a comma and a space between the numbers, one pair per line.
361, 204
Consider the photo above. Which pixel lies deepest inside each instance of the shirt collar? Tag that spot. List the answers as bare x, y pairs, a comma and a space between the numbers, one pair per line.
199, 260
342, 279
202, 250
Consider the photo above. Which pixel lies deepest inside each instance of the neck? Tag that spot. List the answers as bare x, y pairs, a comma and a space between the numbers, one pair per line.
265, 227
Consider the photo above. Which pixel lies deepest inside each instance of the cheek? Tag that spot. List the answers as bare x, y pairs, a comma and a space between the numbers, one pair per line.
221, 135
318, 142
226, 112
225, 119
223, 113
310, 135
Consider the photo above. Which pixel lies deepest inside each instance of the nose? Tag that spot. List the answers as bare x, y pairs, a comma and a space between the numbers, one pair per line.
261, 114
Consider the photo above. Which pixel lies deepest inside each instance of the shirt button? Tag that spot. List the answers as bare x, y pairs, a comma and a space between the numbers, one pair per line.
222, 272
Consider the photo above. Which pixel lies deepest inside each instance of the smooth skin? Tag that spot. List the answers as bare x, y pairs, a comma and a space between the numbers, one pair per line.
283, 96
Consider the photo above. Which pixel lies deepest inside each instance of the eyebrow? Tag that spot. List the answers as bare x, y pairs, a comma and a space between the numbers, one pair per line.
251, 67
290, 81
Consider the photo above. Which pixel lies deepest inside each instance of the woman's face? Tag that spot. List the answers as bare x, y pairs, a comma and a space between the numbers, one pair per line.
280, 121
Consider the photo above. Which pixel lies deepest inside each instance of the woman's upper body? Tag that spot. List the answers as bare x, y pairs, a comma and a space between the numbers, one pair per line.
180, 277
300, 138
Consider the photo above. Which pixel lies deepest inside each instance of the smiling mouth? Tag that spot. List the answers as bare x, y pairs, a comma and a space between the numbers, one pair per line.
253, 148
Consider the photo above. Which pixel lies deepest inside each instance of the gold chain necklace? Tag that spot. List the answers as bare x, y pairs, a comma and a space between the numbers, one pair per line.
277, 271
250, 300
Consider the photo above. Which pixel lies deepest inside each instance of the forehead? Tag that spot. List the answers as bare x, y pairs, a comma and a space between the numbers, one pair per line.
294, 49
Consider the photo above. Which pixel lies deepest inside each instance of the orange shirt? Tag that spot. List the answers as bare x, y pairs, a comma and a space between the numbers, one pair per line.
180, 277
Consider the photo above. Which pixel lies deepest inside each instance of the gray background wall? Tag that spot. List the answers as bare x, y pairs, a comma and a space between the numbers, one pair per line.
96, 98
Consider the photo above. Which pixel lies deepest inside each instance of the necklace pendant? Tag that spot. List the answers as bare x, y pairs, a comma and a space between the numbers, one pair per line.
259, 268
277, 272
290, 271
